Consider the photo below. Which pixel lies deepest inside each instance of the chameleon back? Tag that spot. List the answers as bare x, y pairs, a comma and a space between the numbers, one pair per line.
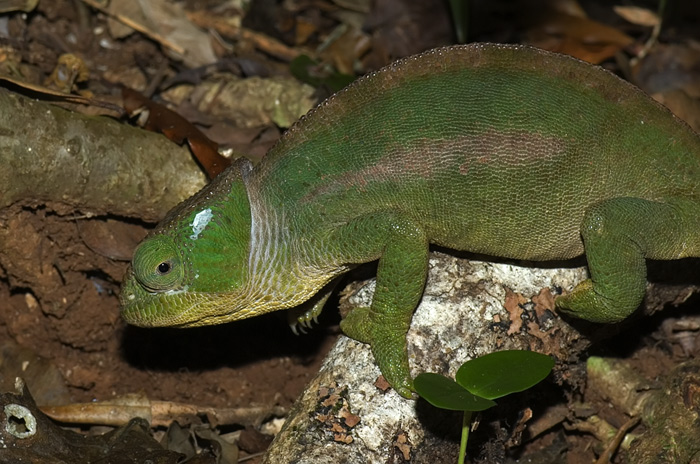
473, 140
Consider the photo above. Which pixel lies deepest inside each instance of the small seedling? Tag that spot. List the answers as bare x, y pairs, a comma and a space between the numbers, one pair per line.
316, 74
482, 380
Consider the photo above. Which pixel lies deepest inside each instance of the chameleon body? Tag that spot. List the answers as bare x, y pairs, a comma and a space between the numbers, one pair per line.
503, 150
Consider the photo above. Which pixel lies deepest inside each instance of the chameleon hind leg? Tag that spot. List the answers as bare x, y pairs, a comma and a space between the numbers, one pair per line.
618, 235
301, 317
402, 248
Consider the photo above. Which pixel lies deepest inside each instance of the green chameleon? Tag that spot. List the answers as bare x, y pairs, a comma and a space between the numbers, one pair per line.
503, 150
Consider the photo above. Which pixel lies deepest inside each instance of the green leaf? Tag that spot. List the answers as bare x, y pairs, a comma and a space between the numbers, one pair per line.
443, 392
503, 372
309, 71
460, 18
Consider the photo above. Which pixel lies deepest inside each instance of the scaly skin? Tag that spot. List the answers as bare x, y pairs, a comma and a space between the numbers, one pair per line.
501, 150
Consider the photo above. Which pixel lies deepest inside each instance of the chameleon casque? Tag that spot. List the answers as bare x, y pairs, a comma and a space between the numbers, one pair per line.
502, 150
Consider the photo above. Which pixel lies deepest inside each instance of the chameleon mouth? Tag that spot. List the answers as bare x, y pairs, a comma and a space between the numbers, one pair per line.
176, 308
160, 310
157, 310
190, 307
142, 308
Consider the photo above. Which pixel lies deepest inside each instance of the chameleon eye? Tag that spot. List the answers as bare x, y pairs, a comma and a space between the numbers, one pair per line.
165, 267
157, 265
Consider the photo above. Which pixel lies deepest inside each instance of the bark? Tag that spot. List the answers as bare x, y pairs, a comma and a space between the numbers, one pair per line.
95, 165
668, 408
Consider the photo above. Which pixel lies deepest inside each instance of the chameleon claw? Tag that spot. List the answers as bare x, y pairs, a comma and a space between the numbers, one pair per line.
301, 323
304, 316
297, 328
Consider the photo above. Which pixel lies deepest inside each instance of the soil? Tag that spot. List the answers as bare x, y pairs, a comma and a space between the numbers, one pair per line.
63, 305
61, 302
60, 272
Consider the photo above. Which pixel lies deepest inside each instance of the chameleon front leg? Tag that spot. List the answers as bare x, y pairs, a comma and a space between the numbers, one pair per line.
402, 247
618, 234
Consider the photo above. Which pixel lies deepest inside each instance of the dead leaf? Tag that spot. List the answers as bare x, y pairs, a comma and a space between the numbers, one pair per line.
671, 75
254, 102
544, 301
231, 29
670, 67
158, 118
304, 29
128, 9
582, 38
167, 23
534, 329
139, 26
638, 15
568, 7
515, 310
347, 49
404, 27
516, 435
8, 6
361, 6
350, 419
682, 105
120, 410
70, 69
226, 452
382, 384
403, 444
333, 412
251, 440
93, 105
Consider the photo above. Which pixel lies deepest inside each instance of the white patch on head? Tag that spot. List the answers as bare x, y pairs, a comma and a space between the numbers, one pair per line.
177, 292
201, 220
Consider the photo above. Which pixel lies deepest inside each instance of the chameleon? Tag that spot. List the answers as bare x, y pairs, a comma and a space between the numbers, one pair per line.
502, 150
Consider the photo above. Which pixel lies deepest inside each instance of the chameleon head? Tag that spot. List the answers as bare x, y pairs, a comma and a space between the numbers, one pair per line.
193, 269
155, 291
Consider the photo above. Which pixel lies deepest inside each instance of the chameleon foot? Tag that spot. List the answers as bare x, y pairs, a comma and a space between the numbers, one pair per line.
388, 341
587, 302
302, 316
